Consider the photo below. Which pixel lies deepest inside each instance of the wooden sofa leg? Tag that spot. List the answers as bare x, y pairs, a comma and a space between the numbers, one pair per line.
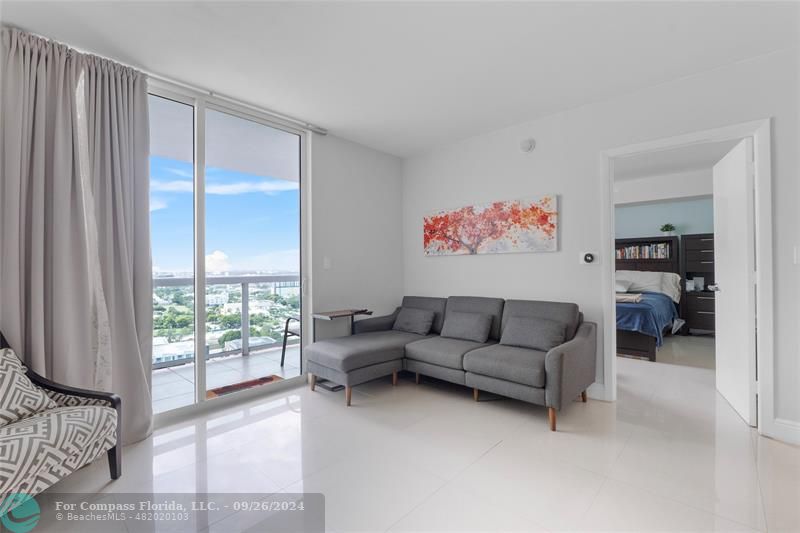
348, 394
115, 461
394, 378
416, 378
551, 414
583, 396
313, 381
475, 393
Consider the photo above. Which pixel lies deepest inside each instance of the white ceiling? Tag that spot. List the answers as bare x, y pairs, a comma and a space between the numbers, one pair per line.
686, 158
405, 77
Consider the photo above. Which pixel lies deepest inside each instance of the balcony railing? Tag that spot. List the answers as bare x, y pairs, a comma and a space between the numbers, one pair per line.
277, 281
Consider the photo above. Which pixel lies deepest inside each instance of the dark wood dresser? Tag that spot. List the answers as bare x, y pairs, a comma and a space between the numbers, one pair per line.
697, 260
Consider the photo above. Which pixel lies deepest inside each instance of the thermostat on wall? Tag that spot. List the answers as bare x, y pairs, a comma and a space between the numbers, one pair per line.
588, 258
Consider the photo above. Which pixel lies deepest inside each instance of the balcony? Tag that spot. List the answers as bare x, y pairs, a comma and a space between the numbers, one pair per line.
245, 319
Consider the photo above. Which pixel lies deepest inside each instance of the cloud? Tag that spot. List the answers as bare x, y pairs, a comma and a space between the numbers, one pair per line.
181, 172
244, 187
156, 204
217, 261
172, 186
226, 189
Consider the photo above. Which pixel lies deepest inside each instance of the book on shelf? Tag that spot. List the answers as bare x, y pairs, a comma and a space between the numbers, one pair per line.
644, 251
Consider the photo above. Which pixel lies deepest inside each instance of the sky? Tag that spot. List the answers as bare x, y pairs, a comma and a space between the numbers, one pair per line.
252, 196
252, 222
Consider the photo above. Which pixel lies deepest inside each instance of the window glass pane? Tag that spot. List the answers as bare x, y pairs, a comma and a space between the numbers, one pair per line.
172, 236
252, 252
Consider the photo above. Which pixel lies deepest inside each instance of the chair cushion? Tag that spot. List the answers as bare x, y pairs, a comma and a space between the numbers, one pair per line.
441, 351
520, 365
36, 451
533, 332
19, 397
412, 320
477, 304
566, 313
357, 351
468, 326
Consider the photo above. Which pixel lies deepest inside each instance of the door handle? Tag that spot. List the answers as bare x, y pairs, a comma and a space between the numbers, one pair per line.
714, 288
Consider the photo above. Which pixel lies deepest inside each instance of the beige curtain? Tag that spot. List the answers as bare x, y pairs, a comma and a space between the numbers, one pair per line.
75, 268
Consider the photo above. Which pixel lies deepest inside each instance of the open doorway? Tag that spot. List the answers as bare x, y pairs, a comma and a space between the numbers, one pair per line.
664, 254
690, 222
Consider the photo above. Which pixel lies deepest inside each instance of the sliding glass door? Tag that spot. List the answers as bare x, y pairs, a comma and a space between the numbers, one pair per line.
252, 237
172, 241
226, 219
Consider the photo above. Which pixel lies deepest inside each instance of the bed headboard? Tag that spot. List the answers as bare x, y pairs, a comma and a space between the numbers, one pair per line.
648, 254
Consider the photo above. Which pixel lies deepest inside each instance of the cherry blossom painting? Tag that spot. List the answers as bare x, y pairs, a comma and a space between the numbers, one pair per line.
495, 228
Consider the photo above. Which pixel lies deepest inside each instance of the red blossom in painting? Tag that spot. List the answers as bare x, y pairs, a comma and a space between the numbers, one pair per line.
468, 228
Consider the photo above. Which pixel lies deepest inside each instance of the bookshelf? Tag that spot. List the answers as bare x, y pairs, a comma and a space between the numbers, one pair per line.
652, 254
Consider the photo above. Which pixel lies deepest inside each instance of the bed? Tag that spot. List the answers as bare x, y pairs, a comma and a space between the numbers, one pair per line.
641, 326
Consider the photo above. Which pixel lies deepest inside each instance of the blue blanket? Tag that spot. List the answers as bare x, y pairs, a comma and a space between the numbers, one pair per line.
650, 316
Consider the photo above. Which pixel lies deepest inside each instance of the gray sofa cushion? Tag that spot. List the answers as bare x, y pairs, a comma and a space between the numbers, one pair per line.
468, 326
357, 351
412, 320
566, 313
441, 351
520, 365
437, 305
533, 332
475, 304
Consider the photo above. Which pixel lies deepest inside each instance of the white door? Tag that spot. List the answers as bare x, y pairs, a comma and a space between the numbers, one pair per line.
734, 272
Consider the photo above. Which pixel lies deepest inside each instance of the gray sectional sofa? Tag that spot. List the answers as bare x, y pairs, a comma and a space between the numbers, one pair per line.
534, 351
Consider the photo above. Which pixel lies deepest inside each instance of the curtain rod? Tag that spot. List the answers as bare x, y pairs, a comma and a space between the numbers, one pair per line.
279, 116
163, 79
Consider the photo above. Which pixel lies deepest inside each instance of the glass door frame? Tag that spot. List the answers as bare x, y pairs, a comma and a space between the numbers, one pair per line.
201, 102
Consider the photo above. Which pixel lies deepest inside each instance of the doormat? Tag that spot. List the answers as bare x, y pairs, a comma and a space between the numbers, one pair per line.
244, 385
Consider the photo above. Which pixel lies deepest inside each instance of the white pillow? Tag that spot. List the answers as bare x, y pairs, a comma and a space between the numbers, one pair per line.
671, 285
667, 283
622, 285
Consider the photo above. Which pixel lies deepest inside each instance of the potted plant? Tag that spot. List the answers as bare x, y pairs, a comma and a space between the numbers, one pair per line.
667, 229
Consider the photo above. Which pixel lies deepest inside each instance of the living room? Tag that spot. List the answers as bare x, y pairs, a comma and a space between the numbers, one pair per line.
388, 230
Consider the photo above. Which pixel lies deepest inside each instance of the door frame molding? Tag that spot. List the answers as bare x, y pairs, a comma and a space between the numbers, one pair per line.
760, 132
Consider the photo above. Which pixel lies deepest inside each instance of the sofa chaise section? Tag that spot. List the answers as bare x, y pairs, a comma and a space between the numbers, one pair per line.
373, 351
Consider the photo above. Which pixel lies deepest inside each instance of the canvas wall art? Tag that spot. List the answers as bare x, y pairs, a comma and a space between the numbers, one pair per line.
500, 227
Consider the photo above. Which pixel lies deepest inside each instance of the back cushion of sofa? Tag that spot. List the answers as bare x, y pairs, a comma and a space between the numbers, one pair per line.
567, 313
477, 304
437, 305
473, 327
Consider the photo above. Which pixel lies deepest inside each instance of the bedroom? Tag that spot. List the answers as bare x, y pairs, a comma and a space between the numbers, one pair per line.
682, 215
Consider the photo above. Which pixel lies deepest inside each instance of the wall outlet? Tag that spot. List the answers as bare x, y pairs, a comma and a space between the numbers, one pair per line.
589, 258
326, 263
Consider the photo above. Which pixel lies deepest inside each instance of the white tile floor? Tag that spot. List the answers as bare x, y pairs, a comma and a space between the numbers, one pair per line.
174, 387
669, 455
690, 350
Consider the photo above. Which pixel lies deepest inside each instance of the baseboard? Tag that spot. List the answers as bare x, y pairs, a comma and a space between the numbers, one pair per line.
783, 430
598, 391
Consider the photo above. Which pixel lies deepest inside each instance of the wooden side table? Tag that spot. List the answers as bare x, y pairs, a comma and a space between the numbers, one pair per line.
333, 315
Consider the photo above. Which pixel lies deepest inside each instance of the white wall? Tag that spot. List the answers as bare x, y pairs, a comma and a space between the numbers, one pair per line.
566, 162
691, 184
356, 221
